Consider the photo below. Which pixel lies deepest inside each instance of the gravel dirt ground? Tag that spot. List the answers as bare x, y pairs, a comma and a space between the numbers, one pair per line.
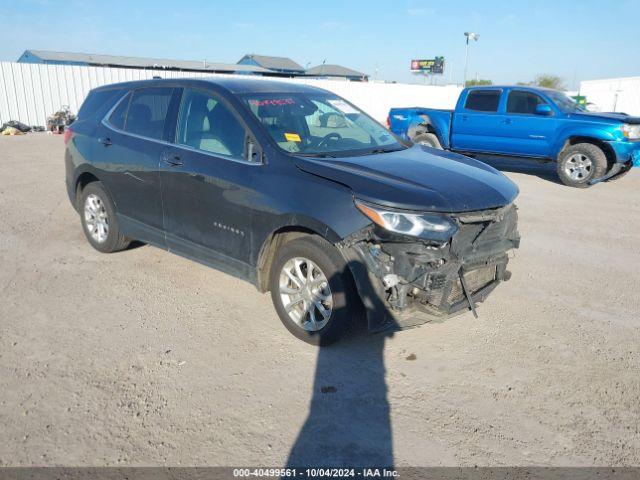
145, 358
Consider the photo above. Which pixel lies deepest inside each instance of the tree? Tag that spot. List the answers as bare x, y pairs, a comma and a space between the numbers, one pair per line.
549, 81
473, 83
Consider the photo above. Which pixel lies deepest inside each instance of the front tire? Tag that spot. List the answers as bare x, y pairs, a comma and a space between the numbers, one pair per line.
581, 163
99, 221
312, 290
428, 139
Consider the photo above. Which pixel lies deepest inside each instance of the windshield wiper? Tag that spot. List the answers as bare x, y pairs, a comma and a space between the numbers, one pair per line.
382, 150
316, 155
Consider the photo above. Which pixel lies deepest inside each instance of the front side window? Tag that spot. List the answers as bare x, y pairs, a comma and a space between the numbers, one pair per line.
318, 124
483, 100
207, 124
523, 102
148, 112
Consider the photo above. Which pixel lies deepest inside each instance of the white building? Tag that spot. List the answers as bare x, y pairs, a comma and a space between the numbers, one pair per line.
614, 94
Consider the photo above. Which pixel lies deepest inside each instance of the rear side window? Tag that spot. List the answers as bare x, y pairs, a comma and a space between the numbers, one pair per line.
483, 100
119, 115
148, 112
98, 101
523, 102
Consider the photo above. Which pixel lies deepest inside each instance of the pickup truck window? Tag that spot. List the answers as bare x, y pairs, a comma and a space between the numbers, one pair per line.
564, 102
523, 102
483, 100
318, 124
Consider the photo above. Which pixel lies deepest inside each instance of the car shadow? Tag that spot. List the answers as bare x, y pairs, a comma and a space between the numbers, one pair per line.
135, 244
348, 423
544, 169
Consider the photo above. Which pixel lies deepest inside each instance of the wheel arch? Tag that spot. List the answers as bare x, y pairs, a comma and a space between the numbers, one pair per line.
82, 180
84, 177
424, 123
284, 233
601, 144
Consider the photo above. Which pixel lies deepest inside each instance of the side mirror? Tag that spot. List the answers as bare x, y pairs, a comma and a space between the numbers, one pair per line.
544, 109
252, 151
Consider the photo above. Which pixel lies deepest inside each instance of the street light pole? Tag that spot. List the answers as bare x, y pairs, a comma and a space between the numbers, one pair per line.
470, 36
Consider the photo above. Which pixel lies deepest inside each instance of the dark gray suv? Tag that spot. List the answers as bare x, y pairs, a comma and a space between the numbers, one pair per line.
295, 190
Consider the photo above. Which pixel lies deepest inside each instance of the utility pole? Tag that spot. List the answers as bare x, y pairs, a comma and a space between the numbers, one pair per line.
470, 36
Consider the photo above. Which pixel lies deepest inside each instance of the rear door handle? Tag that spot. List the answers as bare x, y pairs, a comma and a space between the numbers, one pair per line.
506, 121
106, 141
173, 161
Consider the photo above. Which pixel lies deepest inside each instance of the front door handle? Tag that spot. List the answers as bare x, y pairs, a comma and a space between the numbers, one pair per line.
173, 161
106, 141
506, 121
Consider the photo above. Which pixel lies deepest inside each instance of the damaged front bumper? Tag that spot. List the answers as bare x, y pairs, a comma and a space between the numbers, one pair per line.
404, 281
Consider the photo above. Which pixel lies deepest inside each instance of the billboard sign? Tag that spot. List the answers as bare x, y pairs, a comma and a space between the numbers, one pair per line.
430, 66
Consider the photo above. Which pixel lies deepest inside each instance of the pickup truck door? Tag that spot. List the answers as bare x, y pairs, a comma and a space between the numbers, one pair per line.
525, 132
477, 125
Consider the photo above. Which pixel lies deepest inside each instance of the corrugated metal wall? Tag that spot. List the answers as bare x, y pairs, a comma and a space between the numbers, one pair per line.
31, 92
614, 94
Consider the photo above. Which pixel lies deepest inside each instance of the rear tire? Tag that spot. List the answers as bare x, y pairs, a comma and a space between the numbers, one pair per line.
428, 139
315, 307
580, 163
99, 221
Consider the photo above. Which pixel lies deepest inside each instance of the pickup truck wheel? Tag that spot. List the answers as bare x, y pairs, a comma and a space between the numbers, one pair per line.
580, 163
99, 222
428, 139
312, 290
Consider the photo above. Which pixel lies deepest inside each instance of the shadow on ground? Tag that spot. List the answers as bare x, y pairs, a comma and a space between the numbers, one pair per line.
348, 424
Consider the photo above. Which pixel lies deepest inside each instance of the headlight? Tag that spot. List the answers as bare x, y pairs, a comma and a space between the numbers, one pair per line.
429, 226
632, 132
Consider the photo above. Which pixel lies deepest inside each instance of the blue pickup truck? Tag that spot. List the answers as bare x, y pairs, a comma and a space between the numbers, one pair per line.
528, 122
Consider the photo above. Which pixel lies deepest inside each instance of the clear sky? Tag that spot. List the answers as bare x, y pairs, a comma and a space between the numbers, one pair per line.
519, 39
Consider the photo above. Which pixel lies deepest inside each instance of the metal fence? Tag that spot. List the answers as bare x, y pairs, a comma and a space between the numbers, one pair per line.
31, 92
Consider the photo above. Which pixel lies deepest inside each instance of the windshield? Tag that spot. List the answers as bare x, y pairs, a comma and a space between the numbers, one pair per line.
565, 102
319, 124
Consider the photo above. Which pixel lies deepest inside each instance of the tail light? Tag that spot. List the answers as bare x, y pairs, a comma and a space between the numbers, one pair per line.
68, 133
388, 122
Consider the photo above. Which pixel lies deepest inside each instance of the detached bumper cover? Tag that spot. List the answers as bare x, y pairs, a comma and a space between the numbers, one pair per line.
405, 282
627, 151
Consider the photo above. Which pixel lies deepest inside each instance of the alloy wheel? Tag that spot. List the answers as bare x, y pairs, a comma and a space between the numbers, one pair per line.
305, 294
96, 218
578, 167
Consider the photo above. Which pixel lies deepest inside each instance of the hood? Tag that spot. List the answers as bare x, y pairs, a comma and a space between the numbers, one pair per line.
418, 178
615, 117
